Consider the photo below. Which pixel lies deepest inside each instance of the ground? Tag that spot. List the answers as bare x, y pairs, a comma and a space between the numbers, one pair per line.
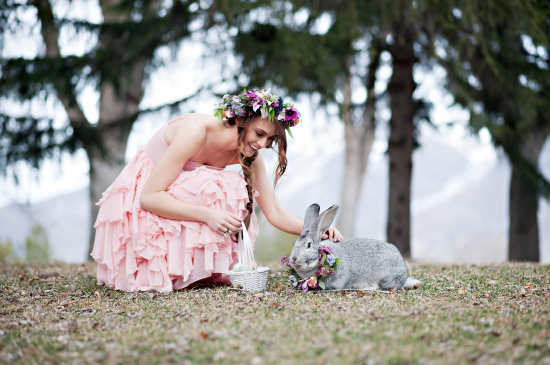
497, 314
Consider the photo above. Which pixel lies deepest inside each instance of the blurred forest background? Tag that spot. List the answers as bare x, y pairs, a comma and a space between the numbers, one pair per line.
81, 77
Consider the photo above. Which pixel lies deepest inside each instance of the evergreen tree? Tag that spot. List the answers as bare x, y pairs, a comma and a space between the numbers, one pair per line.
37, 245
499, 70
119, 59
410, 30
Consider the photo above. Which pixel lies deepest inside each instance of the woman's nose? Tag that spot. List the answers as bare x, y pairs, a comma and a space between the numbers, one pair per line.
263, 142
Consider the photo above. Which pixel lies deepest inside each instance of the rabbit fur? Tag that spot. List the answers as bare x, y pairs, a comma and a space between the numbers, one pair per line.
366, 263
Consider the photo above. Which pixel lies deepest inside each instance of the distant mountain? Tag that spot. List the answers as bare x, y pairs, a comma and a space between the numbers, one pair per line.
460, 203
66, 219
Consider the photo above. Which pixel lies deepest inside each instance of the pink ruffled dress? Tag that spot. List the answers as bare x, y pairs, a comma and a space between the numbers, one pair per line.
138, 250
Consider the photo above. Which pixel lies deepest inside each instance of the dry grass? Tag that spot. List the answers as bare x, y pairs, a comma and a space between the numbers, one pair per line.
463, 314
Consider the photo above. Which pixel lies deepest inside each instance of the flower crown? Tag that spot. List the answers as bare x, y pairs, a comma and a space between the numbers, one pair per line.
262, 102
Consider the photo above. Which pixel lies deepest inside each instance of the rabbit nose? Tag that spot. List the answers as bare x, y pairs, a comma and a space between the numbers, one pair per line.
293, 259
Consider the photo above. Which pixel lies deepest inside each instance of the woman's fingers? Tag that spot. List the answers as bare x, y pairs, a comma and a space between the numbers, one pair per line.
332, 234
230, 225
224, 222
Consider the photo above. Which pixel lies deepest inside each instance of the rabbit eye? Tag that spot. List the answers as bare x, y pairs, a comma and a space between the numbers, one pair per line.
309, 245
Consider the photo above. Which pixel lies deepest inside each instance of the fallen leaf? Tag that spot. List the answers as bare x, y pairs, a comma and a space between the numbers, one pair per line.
48, 275
361, 293
461, 291
204, 335
275, 305
73, 325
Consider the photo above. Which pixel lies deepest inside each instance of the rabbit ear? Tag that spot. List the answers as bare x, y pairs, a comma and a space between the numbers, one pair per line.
311, 217
325, 219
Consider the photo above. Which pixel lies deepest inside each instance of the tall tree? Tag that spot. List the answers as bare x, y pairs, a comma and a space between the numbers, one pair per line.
498, 67
118, 64
410, 28
293, 56
401, 142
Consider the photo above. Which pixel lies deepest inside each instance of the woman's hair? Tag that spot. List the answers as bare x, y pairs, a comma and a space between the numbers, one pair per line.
246, 162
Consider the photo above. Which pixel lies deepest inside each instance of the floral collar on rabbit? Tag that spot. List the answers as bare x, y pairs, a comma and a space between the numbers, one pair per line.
328, 264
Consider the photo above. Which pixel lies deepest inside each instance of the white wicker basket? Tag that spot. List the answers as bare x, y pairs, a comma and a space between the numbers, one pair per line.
251, 280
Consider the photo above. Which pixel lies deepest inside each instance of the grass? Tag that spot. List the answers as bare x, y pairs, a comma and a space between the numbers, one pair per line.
497, 314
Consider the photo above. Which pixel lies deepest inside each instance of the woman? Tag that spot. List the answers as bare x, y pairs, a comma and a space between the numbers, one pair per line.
169, 220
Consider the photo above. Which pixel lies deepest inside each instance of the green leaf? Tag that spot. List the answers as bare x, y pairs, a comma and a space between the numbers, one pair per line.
322, 284
324, 258
336, 262
289, 132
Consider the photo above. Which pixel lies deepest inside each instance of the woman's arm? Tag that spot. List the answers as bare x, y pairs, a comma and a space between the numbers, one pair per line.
274, 212
185, 144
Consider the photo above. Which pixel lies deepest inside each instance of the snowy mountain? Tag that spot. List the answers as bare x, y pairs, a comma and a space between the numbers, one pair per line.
459, 207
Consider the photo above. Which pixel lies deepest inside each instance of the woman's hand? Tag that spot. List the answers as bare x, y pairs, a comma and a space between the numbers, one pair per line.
223, 222
332, 234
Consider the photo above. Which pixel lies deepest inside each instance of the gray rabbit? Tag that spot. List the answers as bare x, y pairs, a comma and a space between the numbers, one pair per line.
366, 263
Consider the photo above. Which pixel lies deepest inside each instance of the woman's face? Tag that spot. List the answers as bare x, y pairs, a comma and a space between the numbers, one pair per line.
258, 134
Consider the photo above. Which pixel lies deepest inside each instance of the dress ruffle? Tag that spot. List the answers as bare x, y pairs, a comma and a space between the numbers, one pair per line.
138, 250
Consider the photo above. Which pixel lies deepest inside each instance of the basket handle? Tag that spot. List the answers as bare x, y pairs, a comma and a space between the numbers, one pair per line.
245, 252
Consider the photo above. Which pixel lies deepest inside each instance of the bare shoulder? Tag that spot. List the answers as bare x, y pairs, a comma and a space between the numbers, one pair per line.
189, 127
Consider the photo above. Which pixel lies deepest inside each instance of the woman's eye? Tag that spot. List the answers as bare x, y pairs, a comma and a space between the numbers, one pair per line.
258, 134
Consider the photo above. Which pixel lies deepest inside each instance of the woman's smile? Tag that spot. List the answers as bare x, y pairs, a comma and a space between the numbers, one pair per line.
259, 134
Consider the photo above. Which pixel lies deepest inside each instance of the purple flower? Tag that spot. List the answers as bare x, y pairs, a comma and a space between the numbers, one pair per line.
291, 113
254, 99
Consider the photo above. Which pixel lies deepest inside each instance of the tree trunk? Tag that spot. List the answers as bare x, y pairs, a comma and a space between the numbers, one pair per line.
118, 109
358, 145
106, 162
401, 141
523, 234
359, 138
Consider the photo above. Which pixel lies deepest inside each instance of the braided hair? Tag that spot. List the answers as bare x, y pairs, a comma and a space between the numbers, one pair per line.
246, 162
